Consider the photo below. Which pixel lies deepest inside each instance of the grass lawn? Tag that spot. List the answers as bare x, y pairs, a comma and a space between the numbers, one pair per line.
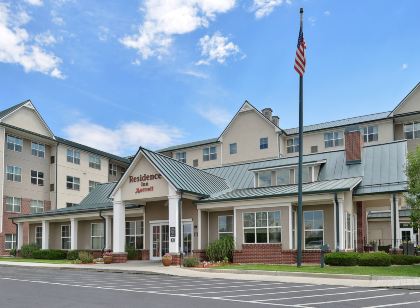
395, 270
34, 260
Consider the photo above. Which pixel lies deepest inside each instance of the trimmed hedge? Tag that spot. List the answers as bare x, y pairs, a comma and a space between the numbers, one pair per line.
85, 257
132, 253
50, 254
72, 255
375, 259
221, 249
404, 260
190, 262
28, 250
342, 258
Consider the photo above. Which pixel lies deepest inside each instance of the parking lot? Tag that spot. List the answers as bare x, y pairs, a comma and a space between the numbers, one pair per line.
21, 287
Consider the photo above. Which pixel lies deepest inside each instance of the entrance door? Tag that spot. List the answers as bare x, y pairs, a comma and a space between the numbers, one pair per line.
160, 240
187, 236
407, 234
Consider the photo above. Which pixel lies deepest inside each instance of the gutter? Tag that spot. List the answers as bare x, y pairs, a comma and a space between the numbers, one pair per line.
337, 223
104, 241
17, 232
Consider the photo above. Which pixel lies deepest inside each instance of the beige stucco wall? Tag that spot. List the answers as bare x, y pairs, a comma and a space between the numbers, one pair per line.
204, 229
27, 118
328, 222
31, 233
379, 230
214, 224
84, 233
55, 234
197, 153
246, 130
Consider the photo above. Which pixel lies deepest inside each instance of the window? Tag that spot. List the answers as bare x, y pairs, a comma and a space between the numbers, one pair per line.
283, 176
14, 173
52, 159
262, 227
94, 161
314, 149
292, 145
370, 133
348, 231
52, 187
65, 237
263, 143
38, 236
264, 178
37, 178
314, 229
412, 130
181, 156
97, 236
13, 204
73, 183
333, 139
69, 204
306, 174
209, 153
73, 156
92, 185
233, 148
122, 171
134, 234
10, 241
225, 224
14, 143
38, 149
113, 169
37, 206
195, 163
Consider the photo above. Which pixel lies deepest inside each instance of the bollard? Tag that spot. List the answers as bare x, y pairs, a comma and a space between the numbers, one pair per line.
324, 248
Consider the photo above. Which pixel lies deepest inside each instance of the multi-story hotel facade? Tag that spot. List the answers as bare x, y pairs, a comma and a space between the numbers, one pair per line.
241, 183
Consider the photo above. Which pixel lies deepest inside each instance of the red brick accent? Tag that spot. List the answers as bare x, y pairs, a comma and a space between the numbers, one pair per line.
354, 144
200, 255
361, 225
176, 259
144, 254
120, 257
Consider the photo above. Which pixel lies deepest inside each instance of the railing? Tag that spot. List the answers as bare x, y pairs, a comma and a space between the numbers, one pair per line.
407, 247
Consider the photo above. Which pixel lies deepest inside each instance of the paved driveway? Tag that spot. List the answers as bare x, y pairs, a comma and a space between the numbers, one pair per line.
30, 287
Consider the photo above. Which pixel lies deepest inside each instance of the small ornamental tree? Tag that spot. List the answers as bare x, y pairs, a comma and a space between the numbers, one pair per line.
413, 196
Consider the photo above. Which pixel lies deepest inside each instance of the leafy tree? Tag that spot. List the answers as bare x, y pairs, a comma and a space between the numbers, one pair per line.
413, 197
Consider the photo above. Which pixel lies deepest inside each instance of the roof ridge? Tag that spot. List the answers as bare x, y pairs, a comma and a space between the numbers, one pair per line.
10, 109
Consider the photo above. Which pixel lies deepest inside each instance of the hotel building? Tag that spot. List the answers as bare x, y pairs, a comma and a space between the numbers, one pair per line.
240, 184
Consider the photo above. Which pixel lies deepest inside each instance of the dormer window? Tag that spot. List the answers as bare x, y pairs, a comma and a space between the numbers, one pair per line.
286, 175
181, 156
264, 178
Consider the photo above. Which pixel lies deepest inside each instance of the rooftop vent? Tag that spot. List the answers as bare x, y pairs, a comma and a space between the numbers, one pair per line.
275, 120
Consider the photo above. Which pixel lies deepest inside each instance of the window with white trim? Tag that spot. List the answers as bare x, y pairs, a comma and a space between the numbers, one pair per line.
134, 234
263, 143
38, 236
412, 130
370, 133
209, 153
97, 236
13, 204
181, 156
37, 206
94, 161
65, 237
292, 145
233, 148
14, 143
73, 183
225, 225
14, 173
333, 139
113, 169
9, 241
38, 149
37, 178
313, 222
283, 176
348, 231
262, 227
70, 204
73, 156
264, 178
92, 185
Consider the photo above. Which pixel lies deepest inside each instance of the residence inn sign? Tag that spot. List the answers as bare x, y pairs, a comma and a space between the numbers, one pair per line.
144, 181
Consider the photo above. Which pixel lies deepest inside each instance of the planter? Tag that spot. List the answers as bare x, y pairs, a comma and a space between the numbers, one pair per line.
167, 260
107, 259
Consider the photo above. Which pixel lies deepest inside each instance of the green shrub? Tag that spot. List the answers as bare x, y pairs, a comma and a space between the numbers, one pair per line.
342, 258
13, 252
85, 257
50, 254
132, 253
375, 259
404, 260
221, 249
72, 255
27, 250
190, 262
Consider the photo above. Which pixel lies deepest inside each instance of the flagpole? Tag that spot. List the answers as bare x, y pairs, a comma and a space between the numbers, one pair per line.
299, 211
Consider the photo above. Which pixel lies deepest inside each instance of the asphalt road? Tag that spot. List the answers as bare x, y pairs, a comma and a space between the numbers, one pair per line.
29, 287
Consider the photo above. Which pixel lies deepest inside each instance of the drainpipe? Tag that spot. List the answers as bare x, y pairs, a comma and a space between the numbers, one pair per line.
104, 220
181, 253
337, 223
394, 222
17, 236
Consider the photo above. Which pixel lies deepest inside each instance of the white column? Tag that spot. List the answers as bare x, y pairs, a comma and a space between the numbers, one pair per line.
395, 220
19, 235
290, 227
173, 207
108, 232
73, 233
45, 234
235, 232
341, 224
199, 229
119, 224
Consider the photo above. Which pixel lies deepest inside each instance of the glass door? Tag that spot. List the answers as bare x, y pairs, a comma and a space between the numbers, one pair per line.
155, 242
406, 234
187, 238
159, 241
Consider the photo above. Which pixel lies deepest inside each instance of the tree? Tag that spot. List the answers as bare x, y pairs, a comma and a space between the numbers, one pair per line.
413, 196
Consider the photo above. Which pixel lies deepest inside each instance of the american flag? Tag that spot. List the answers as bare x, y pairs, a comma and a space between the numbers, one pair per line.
300, 60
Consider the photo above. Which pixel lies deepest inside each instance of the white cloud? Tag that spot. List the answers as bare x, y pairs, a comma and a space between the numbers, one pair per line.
16, 47
196, 74
215, 115
404, 66
124, 139
264, 8
56, 19
45, 39
103, 33
312, 21
327, 13
34, 2
216, 48
165, 19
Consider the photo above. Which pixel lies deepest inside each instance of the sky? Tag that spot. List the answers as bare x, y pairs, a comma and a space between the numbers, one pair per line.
117, 75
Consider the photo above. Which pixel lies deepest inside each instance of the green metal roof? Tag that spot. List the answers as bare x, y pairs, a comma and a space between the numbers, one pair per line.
188, 145
5, 112
286, 190
185, 177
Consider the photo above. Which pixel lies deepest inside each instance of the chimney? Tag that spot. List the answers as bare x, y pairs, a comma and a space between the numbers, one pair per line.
353, 145
276, 120
268, 113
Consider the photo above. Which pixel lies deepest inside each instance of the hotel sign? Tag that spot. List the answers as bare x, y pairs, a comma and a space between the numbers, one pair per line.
144, 180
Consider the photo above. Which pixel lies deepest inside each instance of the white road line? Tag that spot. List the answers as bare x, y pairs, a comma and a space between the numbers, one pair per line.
209, 286
352, 299
284, 292
390, 305
220, 287
268, 288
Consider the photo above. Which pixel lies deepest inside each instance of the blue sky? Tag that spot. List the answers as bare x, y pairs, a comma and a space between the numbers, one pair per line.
120, 74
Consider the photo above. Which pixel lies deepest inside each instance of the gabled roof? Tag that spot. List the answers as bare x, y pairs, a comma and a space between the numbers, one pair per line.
9, 110
405, 98
188, 145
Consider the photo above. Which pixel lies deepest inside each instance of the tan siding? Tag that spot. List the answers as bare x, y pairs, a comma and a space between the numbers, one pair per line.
197, 153
27, 119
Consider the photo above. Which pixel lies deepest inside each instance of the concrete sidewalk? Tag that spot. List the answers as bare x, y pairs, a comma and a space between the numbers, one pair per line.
149, 267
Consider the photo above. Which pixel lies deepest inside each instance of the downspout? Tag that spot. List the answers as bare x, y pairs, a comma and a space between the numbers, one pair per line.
17, 234
56, 176
104, 241
394, 222
337, 223
181, 253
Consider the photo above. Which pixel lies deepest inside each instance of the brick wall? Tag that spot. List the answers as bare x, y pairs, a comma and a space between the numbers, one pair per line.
119, 257
144, 254
361, 225
200, 254
353, 146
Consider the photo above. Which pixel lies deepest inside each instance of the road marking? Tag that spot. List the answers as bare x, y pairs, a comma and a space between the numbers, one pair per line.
283, 292
390, 305
268, 288
352, 299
